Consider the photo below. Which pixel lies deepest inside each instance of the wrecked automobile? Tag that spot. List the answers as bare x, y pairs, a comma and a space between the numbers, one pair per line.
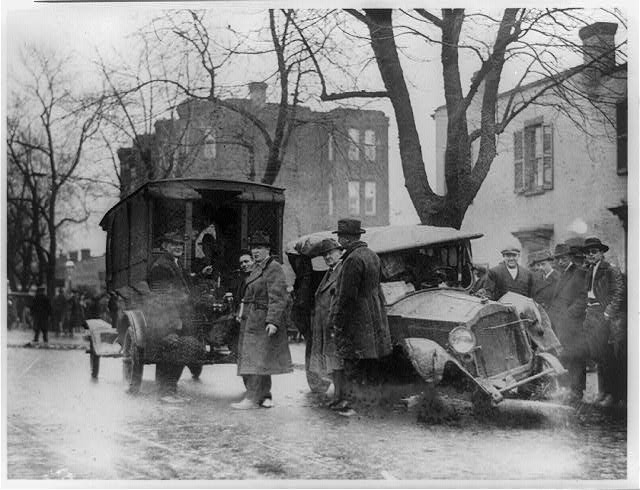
445, 334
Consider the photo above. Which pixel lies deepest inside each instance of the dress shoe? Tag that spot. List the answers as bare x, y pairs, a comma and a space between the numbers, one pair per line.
245, 404
267, 403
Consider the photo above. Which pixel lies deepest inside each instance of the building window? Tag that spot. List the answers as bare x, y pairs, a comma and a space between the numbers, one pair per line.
370, 145
209, 144
354, 144
330, 148
533, 159
621, 133
354, 198
370, 198
330, 199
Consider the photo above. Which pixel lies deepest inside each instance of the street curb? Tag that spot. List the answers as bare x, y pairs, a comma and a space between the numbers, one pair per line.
29, 345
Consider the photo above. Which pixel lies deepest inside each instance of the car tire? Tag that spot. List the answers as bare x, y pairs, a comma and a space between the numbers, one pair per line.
317, 384
132, 365
196, 370
94, 361
542, 388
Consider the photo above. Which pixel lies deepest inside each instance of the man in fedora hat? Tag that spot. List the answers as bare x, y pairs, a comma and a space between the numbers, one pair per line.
509, 276
566, 312
545, 279
605, 298
264, 344
166, 271
358, 317
324, 360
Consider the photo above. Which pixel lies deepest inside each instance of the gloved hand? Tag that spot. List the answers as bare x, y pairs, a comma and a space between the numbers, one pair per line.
271, 329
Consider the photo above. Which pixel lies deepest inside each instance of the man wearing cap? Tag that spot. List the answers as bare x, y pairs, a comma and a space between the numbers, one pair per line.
166, 272
566, 312
264, 343
545, 279
324, 359
41, 311
605, 298
359, 319
509, 276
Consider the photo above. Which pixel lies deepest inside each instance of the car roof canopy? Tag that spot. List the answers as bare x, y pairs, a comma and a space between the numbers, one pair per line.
384, 239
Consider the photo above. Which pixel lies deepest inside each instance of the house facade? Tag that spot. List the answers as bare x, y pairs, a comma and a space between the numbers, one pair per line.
557, 176
335, 163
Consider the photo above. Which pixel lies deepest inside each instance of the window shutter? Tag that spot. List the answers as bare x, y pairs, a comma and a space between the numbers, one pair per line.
547, 147
518, 162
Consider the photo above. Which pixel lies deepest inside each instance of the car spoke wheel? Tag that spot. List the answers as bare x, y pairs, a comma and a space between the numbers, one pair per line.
545, 387
317, 384
132, 365
94, 361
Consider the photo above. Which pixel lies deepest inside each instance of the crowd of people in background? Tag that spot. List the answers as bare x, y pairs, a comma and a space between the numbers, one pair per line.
585, 298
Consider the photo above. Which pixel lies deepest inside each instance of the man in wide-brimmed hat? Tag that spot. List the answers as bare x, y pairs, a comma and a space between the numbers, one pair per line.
509, 276
264, 344
358, 316
566, 312
545, 279
605, 299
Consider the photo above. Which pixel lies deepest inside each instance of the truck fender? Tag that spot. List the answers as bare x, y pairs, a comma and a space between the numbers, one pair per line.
96, 327
430, 359
138, 323
553, 362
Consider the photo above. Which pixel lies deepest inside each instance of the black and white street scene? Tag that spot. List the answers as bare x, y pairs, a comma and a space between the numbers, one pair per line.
256, 245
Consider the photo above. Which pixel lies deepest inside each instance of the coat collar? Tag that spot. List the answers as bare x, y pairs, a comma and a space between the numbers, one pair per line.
329, 278
352, 246
257, 271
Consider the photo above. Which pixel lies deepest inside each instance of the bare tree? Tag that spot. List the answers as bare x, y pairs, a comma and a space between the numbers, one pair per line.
538, 39
49, 127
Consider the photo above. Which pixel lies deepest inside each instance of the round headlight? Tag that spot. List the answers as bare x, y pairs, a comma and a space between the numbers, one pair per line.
462, 340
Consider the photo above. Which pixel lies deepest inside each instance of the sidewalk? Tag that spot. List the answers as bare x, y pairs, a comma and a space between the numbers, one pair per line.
24, 338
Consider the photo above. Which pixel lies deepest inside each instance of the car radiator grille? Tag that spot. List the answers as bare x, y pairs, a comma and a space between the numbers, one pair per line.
502, 345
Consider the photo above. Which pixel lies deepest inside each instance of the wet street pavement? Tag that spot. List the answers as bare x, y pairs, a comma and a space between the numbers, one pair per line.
61, 424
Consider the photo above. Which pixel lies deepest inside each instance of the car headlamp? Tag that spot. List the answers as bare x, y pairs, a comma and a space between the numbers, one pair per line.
462, 340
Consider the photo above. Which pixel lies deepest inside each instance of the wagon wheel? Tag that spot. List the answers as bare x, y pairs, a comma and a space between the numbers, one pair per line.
94, 361
196, 370
132, 364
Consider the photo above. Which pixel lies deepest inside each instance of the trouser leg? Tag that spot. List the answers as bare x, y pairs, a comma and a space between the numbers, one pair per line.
338, 384
258, 387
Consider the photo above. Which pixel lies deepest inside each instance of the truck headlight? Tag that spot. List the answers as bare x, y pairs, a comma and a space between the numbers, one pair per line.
462, 340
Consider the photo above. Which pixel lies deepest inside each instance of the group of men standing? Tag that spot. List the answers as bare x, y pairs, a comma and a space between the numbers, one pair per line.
584, 296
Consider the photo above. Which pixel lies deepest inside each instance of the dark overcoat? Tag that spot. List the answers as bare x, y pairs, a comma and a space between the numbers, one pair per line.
359, 318
566, 312
41, 309
543, 288
500, 282
165, 274
324, 357
265, 301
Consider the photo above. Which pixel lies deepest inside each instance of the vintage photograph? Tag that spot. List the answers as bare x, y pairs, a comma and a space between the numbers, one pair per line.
261, 244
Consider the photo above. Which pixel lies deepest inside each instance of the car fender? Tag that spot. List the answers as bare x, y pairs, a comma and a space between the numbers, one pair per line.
430, 359
553, 362
138, 323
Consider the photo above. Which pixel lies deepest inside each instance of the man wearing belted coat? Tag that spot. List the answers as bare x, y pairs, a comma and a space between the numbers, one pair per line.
605, 299
566, 312
264, 345
359, 318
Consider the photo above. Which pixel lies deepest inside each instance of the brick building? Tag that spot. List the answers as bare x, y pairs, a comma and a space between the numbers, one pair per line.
335, 163
88, 272
551, 180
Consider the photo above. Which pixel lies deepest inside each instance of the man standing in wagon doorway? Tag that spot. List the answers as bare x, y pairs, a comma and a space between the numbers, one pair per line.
359, 319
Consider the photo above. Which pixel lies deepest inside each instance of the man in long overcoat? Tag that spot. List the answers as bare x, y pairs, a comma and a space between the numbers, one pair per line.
359, 318
545, 280
324, 359
41, 311
605, 299
566, 312
509, 276
264, 343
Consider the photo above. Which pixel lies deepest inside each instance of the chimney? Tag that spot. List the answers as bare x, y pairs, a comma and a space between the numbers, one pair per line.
598, 43
73, 256
85, 253
258, 94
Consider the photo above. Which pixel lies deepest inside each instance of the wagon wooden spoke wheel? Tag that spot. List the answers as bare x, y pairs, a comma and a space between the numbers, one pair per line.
132, 364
